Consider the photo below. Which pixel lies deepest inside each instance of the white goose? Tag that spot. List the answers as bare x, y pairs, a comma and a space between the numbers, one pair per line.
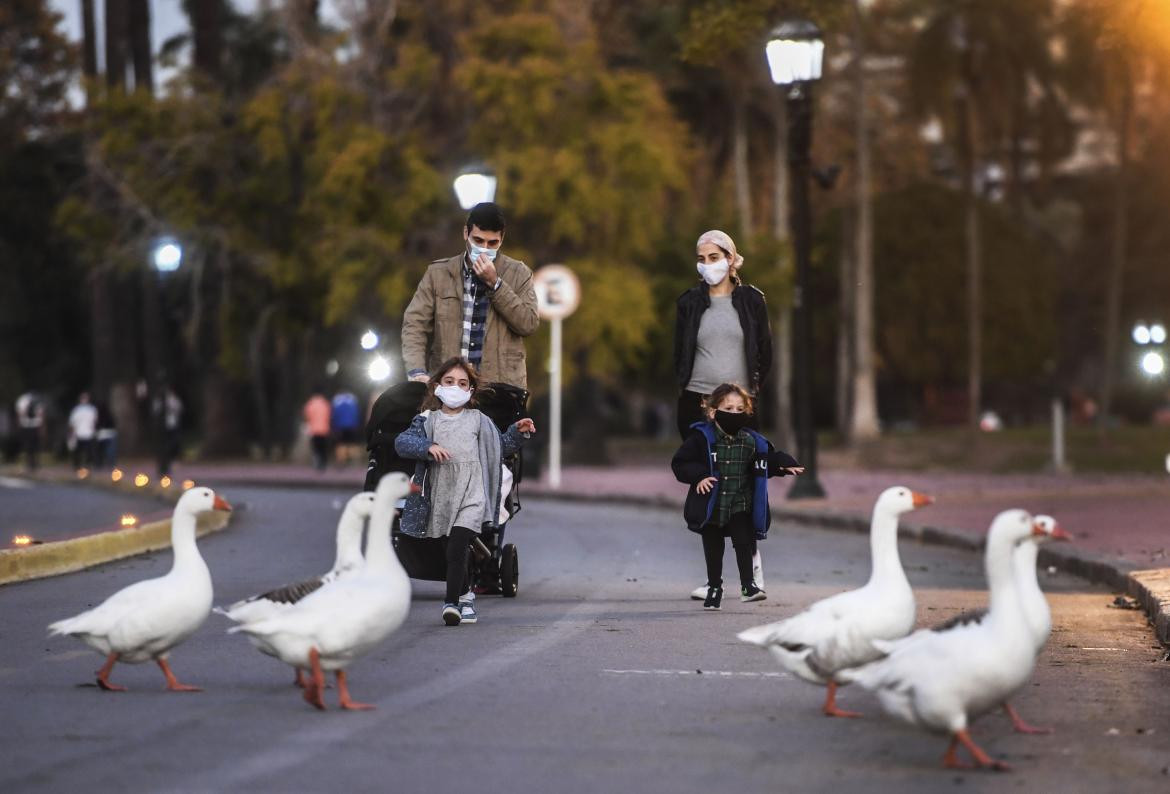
149, 618
835, 633
1032, 601
346, 618
940, 680
348, 559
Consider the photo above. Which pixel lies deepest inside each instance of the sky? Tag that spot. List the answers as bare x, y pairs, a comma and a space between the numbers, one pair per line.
166, 20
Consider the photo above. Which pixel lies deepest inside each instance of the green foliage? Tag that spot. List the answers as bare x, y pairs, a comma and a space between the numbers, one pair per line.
36, 64
920, 300
591, 159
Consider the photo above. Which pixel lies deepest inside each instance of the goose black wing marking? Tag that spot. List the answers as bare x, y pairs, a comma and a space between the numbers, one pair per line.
290, 594
961, 619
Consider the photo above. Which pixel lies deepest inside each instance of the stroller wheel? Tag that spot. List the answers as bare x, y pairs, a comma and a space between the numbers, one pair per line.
509, 570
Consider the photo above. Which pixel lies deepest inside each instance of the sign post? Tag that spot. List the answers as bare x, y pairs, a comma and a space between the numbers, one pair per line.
558, 293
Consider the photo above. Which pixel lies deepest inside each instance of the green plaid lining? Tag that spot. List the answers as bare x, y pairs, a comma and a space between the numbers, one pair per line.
733, 461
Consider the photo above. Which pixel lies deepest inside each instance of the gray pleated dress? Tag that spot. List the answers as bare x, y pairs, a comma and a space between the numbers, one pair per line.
457, 485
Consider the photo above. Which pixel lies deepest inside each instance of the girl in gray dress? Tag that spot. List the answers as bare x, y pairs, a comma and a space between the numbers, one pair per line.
459, 451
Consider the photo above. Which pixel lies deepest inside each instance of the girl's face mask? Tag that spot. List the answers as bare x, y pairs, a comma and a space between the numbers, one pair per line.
713, 273
452, 396
731, 423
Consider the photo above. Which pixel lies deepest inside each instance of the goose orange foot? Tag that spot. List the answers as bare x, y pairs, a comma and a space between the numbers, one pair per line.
1018, 722
103, 675
830, 708
172, 682
343, 696
951, 760
316, 686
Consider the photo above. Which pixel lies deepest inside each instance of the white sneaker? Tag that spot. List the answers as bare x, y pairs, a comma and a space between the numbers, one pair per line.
467, 612
758, 570
699, 593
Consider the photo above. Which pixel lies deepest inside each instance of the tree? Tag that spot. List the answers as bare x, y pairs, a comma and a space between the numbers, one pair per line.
972, 65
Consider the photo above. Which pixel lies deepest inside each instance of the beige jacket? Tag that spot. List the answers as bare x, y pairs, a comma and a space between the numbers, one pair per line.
432, 328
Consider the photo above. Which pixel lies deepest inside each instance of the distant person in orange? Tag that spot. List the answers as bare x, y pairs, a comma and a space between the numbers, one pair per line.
316, 413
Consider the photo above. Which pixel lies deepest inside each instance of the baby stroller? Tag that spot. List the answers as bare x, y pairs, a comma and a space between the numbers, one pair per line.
494, 567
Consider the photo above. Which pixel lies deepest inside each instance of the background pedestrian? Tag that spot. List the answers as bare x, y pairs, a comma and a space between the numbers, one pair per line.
316, 414
83, 422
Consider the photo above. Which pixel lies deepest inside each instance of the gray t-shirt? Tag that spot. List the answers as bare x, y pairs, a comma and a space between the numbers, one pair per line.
719, 350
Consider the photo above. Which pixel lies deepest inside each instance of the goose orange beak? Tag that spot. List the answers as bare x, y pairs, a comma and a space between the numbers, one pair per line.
220, 504
921, 499
1059, 534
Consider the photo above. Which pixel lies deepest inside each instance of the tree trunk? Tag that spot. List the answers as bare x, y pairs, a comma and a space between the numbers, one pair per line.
782, 328
739, 167
207, 28
1118, 254
845, 352
116, 28
140, 48
103, 333
863, 414
88, 46
968, 142
259, 373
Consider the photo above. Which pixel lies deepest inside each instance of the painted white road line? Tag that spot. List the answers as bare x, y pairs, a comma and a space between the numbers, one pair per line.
14, 482
718, 673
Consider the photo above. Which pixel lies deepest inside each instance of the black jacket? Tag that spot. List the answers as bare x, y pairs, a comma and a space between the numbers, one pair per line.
753, 318
695, 461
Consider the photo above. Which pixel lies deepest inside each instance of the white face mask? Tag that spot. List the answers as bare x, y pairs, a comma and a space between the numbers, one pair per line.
713, 273
474, 251
452, 396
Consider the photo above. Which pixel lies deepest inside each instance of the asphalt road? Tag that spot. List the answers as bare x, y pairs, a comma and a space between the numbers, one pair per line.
53, 511
587, 682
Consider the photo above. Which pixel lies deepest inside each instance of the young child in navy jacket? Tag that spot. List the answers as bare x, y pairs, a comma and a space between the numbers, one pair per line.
727, 466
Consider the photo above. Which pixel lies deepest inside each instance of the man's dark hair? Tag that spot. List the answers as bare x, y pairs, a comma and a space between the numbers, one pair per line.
487, 216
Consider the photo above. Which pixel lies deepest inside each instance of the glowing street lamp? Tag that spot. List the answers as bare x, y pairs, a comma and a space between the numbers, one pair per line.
1153, 364
475, 184
369, 340
168, 255
1141, 334
379, 369
1157, 333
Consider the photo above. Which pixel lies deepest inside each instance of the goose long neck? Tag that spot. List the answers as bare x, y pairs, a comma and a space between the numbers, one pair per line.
1001, 580
183, 540
1024, 566
883, 549
349, 539
379, 552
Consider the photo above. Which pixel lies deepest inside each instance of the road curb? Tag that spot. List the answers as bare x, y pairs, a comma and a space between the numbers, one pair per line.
67, 556
1151, 588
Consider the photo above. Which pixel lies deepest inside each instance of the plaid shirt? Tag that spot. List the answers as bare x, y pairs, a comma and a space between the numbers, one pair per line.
733, 460
476, 301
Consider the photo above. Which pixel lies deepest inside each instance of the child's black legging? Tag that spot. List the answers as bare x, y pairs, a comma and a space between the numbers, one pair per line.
743, 540
458, 546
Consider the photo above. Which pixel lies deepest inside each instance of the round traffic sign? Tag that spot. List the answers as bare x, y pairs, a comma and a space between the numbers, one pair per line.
558, 292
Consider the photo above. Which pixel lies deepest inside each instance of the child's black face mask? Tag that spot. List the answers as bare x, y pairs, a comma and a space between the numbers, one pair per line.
731, 423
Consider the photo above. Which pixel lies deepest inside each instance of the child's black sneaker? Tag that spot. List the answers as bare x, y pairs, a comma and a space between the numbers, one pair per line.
714, 598
751, 593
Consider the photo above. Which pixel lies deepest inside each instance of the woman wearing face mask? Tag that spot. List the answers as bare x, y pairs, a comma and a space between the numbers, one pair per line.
721, 330
459, 451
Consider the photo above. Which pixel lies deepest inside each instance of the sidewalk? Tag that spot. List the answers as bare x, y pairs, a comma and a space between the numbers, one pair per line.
1120, 523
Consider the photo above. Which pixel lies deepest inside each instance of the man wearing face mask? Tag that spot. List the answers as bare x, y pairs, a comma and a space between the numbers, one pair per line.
721, 332
478, 305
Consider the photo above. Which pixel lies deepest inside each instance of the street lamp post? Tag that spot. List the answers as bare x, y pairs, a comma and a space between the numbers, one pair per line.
474, 184
795, 49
